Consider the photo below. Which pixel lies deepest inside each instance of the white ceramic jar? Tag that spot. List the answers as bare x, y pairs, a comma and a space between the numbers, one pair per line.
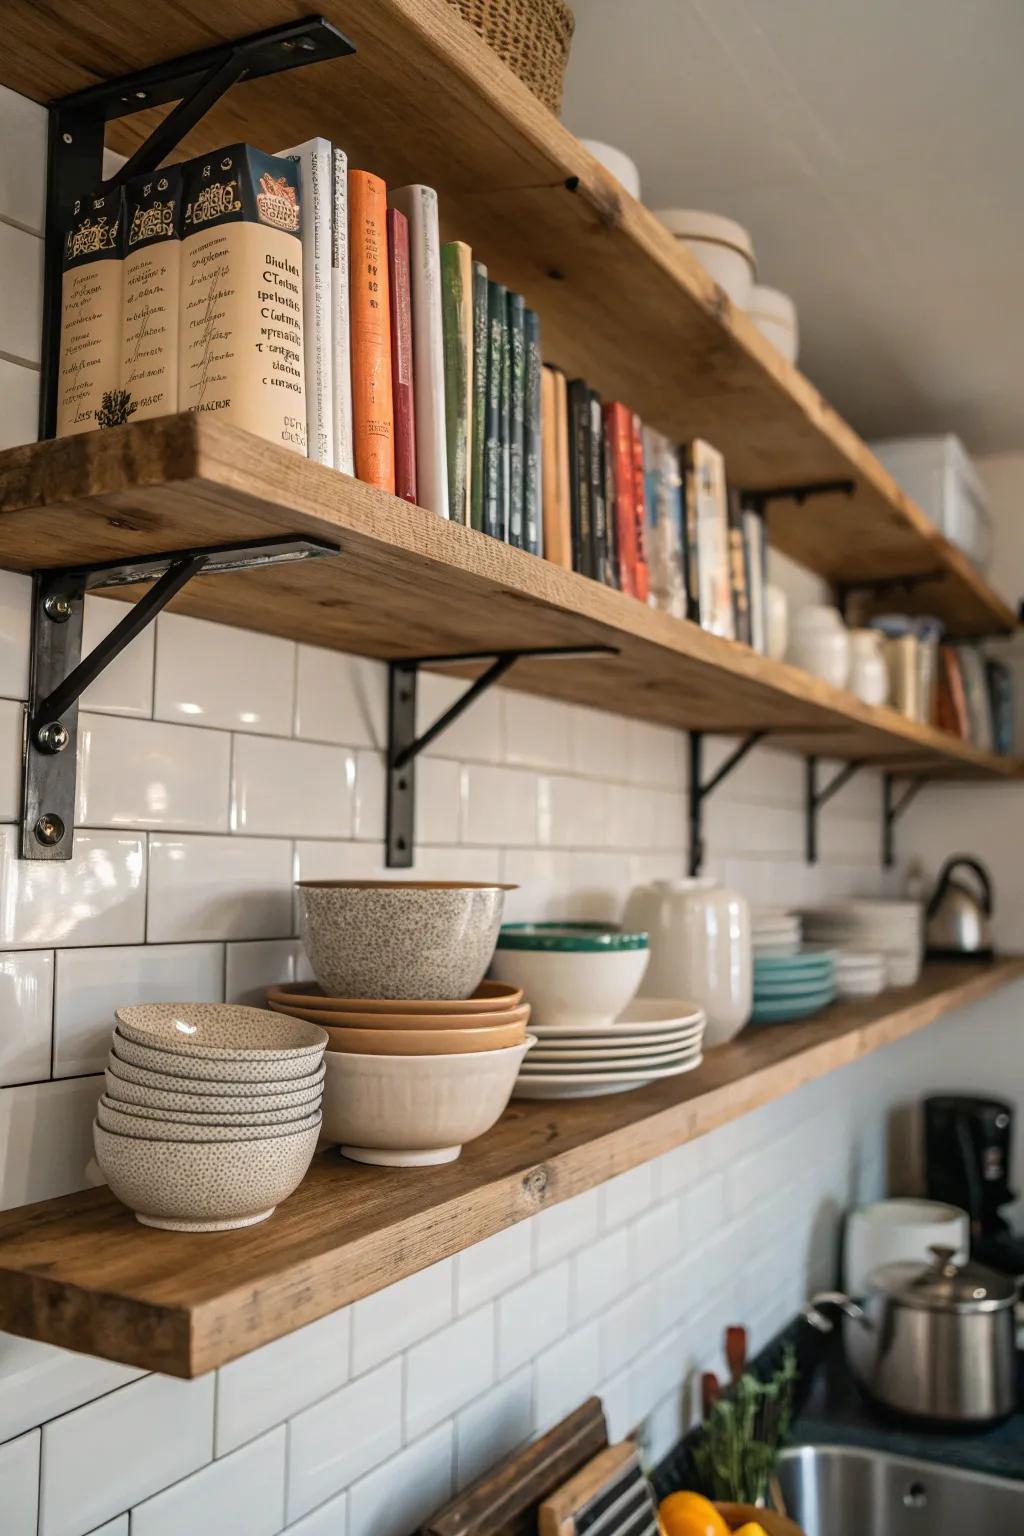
820, 644
869, 670
699, 935
774, 314
776, 621
723, 248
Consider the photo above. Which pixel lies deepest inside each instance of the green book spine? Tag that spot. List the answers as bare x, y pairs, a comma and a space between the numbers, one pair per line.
455, 381
505, 420
517, 414
533, 523
476, 478
494, 494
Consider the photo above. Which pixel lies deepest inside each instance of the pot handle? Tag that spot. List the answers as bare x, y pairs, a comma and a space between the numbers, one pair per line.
813, 1314
961, 861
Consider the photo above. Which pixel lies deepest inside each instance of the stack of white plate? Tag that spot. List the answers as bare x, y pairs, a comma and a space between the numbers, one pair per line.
891, 928
860, 973
774, 931
651, 1039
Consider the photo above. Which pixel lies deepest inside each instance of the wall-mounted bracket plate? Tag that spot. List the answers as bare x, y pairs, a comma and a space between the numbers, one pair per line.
893, 807
700, 788
59, 675
819, 795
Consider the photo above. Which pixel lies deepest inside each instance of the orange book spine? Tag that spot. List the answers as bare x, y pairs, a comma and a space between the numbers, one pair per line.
641, 574
373, 422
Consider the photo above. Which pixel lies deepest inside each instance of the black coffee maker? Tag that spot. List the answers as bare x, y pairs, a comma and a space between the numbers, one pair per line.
967, 1160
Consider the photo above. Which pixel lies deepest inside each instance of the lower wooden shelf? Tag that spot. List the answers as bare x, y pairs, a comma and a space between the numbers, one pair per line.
82, 1273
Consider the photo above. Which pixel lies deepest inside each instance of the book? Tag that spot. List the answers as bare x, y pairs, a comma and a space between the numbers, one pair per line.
403, 393
610, 499
598, 498
754, 550
373, 420
975, 686
494, 481
316, 181
505, 417
151, 293
641, 574
240, 351
92, 285
555, 468
516, 416
579, 477
457, 325
952, 711
480, 332
533, 522
419, 204
710, 528
1000, 693
341, 328
738, 568
619, 428
691, 575
664, 525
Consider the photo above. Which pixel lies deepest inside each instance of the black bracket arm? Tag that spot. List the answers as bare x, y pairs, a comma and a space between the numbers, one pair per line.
758, 500
59, 675
893, 807
818, 796
404, 746
699, 788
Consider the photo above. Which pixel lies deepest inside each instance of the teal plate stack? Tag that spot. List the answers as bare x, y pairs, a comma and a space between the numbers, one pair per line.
793, 986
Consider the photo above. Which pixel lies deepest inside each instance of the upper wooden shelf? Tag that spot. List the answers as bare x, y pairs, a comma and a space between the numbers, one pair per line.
80, 1271
408, 583
423, 99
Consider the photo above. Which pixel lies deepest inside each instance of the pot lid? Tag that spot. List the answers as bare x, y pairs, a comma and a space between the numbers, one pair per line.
573, 937
944, 1286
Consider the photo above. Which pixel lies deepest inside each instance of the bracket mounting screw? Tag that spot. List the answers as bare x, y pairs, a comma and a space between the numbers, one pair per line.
49, 829
52, 737
58, 609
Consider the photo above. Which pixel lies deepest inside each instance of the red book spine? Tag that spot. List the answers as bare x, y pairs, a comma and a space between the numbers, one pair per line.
620, 431
401, 355
643, 583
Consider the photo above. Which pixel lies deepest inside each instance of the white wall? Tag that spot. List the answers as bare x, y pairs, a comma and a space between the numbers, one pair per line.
204, 793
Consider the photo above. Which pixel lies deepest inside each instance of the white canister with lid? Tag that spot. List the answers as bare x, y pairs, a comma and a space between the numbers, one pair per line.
700, 949
890, 1231
723, 248
774, 314
617, 163
869, 670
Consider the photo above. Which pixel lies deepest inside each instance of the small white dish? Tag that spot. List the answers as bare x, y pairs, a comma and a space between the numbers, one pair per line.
645, 1015
587, 1085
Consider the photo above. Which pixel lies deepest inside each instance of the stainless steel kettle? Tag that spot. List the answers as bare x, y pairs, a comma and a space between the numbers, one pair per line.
958, 917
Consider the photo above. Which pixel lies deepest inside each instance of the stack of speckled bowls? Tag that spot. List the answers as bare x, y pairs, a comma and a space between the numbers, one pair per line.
211, 1112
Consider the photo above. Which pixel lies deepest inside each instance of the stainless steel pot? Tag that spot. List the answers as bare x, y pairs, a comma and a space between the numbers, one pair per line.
936, 1342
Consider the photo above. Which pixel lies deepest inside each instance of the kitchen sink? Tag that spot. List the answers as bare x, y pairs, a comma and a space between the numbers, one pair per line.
836, 1490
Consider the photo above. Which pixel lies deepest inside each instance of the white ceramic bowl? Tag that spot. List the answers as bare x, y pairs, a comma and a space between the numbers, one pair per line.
825, 654
723, 248
222, 1032
411, 1111
203, 1186
576, 975
112, 1119
271, 1069
389, 938
162, 1092
146, 1113
774, 314
617, 162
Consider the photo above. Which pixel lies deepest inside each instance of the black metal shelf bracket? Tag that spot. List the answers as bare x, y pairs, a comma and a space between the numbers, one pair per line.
700, 788
819, 795
893, 807
758, 500
59, 674
404, 746
76, 135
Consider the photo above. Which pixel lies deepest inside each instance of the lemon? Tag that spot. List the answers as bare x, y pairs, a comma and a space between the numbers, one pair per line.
690, 1514
752, 1528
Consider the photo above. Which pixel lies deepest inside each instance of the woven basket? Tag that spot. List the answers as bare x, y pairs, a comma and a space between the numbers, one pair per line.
531, 36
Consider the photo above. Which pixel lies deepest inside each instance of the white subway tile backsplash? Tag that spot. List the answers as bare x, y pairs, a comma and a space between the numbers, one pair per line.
561, 1229
340, 699
159, 1428
370, 796
654, 1240
403, 1314
125, 687
26, 1017
21, 314
600, 884
254, 965
542, 878
627, 1327
494, 1426
97, 897
116, 1527
566, 1374
330, 1519
531, 1316
655, 755
15, 628
48, 1129
438, 801
536, 731
448, 1370
242, 1493
291, 788
23, 174
210, 674
218, 887
573, 812
600, 1274
38, 1382
19, 1485
343, 1437
91, 983
279, 1380
143, 773
614, 1395
626, 1195
19, 391
343, 861
599, 744
476, 736
489, 1267
499, 806
399, 1496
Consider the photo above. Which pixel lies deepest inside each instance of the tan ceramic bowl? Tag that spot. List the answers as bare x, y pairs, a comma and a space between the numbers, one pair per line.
307, 999
415, 1021
426, 1042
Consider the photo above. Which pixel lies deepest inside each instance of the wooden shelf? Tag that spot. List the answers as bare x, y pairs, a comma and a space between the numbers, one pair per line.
620, 302
82, 1273
408, 583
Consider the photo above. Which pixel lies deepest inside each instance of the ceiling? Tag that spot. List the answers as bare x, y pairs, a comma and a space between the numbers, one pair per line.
875, 151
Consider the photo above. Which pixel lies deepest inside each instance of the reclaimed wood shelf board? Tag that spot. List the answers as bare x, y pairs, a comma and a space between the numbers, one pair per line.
425, 100
409, 583
82, 1273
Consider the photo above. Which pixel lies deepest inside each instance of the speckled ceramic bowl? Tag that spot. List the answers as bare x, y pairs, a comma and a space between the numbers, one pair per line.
111, 1119
273, 1069
145, 1114
412, 1111
204, 1186
399, 939
221, 1032
163, 1092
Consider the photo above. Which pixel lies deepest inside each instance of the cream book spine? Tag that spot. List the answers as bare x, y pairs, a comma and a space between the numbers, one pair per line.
419, 204
316, 191
341, 323
89, 371
151, 293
